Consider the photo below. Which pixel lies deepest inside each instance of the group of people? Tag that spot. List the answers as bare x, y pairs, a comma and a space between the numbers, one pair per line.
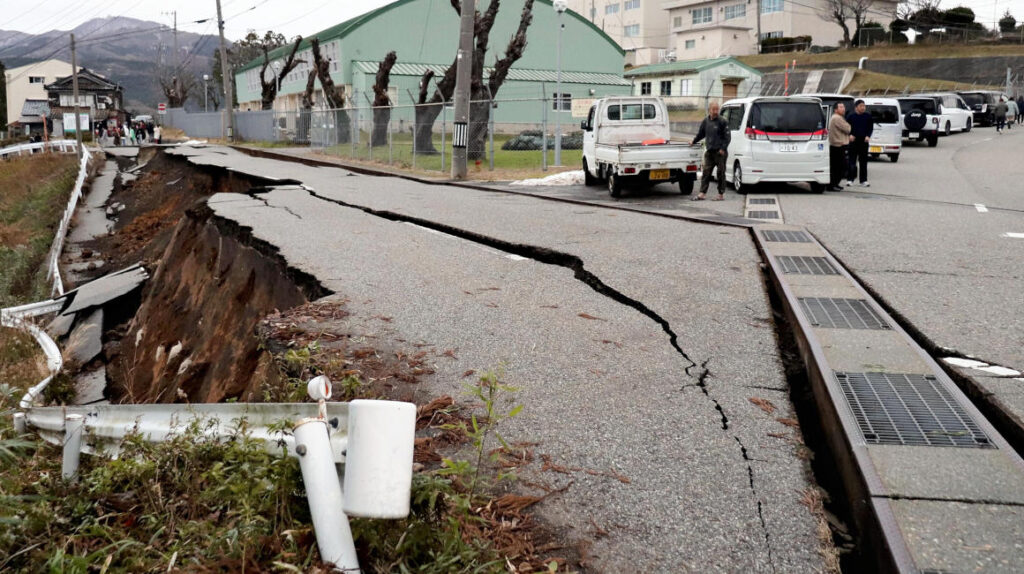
134, 133
1007, 113
849, 136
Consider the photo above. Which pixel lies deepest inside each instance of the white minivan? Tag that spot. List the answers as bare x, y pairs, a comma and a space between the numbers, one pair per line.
887, 135
777, 139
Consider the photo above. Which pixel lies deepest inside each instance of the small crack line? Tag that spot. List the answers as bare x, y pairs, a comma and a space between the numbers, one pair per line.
757, 498
265, 202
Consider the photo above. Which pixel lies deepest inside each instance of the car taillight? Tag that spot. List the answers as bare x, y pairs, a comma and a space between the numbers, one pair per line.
935, 121
819, 135
629, 170
753, 134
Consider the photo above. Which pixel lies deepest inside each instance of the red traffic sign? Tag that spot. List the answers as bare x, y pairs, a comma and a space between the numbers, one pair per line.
161, 107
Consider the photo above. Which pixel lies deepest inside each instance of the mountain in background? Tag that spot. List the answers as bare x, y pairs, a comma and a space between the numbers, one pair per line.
125, 50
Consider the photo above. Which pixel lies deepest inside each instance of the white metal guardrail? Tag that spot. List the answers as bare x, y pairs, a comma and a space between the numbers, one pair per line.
53, 271
14, 317
63, 146
374, 440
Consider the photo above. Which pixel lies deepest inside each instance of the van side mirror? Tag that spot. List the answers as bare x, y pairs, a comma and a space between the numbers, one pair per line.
584, 126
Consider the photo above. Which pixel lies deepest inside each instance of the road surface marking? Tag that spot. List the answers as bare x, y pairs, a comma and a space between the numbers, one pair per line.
1014, 235
981, 208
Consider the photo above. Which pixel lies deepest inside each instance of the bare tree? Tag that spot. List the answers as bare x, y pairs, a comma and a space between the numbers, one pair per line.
841, 11
176, 86
268, 92
333, 97
427, 110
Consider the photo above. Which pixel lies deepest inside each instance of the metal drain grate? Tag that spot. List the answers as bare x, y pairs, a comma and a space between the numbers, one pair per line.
763, 214
801, 265
785, 236
762, 201
912, 410
841, 313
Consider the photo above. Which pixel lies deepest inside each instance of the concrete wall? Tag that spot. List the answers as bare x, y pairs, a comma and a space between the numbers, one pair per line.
19, 89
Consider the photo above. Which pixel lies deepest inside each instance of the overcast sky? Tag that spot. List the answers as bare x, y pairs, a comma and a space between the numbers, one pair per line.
290, 17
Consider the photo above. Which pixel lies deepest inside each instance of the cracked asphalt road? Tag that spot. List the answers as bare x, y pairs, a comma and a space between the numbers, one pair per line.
713, 484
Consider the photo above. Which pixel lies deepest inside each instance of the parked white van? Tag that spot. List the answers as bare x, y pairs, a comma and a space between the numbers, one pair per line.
887, 135
777, 139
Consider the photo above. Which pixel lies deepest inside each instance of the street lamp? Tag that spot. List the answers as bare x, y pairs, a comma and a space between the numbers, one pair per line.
560, 7
206, 91
277, 75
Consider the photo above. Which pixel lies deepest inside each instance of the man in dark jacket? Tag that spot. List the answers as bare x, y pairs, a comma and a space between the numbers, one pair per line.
861, 128
715, 131
1020, 109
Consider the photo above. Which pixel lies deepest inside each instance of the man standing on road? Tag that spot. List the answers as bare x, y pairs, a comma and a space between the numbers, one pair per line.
838, 141
1020, 108
999, 114
861, 128
1012, 113
715, 131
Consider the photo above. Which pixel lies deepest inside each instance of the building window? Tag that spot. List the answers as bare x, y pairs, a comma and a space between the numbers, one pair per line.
701, 15
769, 6
36, 79
677, 22
690, 44
566, 102
611, 9
686, 87
645, 88
68, 100
735, 11
631, 4
666, 87
593, 13
776, 34
631, 31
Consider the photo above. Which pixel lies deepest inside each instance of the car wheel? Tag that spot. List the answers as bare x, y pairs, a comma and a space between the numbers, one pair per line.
817, 187
949, 129
969, 125
614, 185
933, 141
686, 184
588, 179
737, 179
894, 157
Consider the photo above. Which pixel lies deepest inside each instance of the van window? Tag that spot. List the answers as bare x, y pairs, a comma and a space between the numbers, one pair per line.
787, 117
590, 117
734, 116
631, 111
925, 105
974, 99
884, 114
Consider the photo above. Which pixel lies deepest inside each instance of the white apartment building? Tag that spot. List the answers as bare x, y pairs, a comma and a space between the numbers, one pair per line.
715, 28
28, 83
640, 27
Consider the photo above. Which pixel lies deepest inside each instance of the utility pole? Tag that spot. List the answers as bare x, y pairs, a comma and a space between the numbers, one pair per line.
225, 77
464, 67
74, 94
758, 26
176, 82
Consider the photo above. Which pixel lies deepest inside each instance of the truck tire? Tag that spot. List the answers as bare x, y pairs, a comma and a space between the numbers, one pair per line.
970, 124
933, 140
817, 187
614, 185
588, 180
894, 157
949, 129
686, 183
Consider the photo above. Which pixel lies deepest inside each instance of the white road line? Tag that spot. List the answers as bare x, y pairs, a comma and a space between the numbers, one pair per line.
1013, 235
981, 208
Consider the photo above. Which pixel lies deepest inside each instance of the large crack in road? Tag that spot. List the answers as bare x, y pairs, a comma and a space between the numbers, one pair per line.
580, 273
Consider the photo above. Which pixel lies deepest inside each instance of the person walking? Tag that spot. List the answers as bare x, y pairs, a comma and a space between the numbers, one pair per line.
861, 128
714, 130
838, 141
999, 114
1012, 113
1020, 108
157, 135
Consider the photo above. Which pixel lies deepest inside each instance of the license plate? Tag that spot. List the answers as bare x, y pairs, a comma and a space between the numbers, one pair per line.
659, 174
789, 147
914, 134
875, 149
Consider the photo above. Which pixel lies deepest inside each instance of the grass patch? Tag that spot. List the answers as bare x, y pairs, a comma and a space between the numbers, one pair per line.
900, 52
36, 190
865, 82
22, 362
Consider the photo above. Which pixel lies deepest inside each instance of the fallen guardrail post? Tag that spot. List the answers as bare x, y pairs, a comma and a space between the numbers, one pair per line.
20, 427
73, 424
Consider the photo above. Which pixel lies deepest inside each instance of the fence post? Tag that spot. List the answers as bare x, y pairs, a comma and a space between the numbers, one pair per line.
414, 104
444, 122
369, 140
323, 489
544, 128
391, 137
72, 445
490, 124
353, 124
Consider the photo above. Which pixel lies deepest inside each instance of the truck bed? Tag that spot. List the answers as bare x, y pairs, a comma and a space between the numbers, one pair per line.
664, 155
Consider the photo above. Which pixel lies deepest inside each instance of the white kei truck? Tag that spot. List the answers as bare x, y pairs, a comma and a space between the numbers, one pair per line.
626, 143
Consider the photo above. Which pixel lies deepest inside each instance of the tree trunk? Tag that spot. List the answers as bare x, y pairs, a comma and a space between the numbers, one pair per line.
268, 92
334, 100
381, 102
305, 116
426, 115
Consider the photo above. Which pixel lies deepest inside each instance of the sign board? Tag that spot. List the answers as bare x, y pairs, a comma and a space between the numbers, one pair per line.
69, 122
161, 108
581, 107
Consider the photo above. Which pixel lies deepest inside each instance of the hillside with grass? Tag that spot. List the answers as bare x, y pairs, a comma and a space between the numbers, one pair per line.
844, 58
